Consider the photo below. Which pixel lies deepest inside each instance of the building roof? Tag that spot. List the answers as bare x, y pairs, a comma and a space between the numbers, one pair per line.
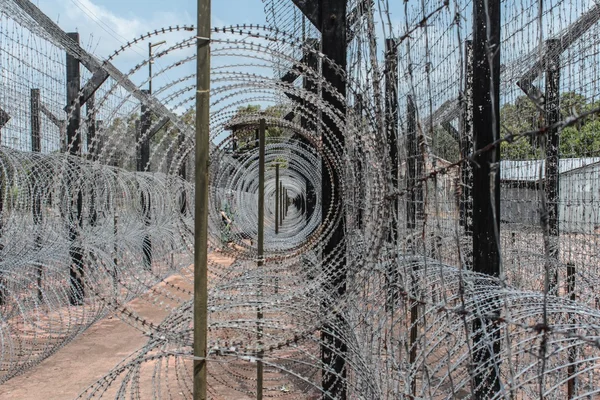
533, 170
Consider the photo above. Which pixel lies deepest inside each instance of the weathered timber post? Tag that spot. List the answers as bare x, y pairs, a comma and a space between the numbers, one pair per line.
183, 175
466, 147
552, 114
391, 123
201, 199
486, 186
260, 248
4, 118
312, 62
36, 147
36, 121
411, 162
92, 152
333, 348
277, 198
280, 203
77, 291
571, 370
91, 128
414, 189
143, 160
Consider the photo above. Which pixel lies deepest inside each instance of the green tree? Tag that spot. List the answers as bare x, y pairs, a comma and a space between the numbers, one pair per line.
122, 137
444, 145
579, 140
246, 136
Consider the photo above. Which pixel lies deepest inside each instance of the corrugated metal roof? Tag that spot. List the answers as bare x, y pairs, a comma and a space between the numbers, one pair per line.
533, 170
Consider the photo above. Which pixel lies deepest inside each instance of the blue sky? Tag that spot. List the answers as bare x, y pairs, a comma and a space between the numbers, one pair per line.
105, 24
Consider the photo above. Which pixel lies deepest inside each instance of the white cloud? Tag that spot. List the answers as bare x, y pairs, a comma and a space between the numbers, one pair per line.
103, 30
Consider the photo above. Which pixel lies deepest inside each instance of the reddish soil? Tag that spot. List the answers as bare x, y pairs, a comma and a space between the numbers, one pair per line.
89, 357
93, 354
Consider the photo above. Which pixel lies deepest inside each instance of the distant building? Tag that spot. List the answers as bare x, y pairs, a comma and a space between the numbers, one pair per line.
579, 193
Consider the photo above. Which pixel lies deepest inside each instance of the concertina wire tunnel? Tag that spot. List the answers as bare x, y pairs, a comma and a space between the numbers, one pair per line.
97, 205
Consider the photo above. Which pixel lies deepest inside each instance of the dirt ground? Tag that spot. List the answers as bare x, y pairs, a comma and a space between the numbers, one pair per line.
82, 362
86, 359
76, 366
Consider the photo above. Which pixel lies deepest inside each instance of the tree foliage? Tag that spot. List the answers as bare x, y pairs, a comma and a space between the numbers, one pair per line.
445, 145
246, 137
580, 140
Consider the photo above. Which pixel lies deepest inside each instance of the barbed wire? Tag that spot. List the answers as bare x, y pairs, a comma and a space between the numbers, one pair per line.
84, 234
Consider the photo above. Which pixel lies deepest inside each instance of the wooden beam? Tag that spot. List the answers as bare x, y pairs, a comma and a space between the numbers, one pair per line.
448, 127
572, 33
90, 87
4, 118
311, 10
60, 123
158, 126
89, 61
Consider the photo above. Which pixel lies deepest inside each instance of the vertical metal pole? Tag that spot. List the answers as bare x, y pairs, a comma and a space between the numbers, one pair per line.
553, 49
260, 248
74, 145
486, 185
467, 149
277, 198
333, 348
143, 160
201, 199
36, 147
391, 123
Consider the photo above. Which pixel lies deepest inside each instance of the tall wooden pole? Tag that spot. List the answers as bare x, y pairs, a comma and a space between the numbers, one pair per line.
572, 352
486, 186
276, 198
280, 203
411, 162
36, 147
391, 123
413, 173
312, 62
201, 199
260, 248
552, 159
143, 165
74, 145
466, 208
333, 348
